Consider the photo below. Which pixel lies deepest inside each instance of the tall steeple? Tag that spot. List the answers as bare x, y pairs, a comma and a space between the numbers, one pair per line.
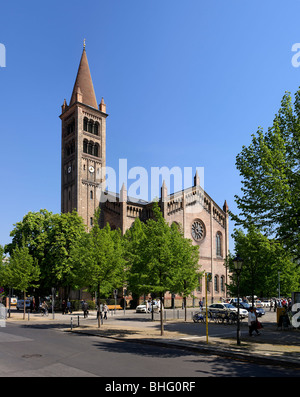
83, 90
83, 146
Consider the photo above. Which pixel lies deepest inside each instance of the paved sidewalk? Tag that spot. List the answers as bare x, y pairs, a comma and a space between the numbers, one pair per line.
273, 346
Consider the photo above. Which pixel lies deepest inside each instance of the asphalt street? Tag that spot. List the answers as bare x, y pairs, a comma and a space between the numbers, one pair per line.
39, 350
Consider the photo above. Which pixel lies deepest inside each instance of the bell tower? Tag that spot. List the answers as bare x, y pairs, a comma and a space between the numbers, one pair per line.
83, 149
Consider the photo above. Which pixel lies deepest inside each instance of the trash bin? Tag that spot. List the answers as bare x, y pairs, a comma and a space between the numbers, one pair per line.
280, 312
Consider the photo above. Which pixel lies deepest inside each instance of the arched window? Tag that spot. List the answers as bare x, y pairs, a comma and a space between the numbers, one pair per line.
90, 147
216, 283
85, 146
91, 195
71, 127
90, 126
218, 244
96, 128
222, 283
85, 124
96, 150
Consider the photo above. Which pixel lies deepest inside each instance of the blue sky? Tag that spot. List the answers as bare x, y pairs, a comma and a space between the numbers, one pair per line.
185, 83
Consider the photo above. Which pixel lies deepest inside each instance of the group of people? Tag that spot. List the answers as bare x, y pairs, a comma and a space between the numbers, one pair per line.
103, 310
66, 307
286, 303
153, 304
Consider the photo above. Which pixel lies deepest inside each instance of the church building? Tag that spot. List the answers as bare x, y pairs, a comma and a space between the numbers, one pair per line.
83, 159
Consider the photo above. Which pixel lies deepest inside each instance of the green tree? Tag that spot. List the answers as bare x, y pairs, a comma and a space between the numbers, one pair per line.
98, 260
185, 264
270, 170
49, 238
22, 272
132, 243
162, 259
263, 259
2, 267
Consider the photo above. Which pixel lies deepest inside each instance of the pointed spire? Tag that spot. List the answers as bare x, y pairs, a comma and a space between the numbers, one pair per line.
123, 194
225, 207
164, 192
196, 179
83, 87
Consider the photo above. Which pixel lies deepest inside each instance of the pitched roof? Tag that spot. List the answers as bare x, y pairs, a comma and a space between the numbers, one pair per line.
84, 84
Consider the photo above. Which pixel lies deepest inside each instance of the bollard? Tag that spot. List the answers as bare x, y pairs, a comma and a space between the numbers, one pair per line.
71, 323
78, 321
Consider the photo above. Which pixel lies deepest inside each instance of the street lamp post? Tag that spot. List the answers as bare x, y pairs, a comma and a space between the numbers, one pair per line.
238, 263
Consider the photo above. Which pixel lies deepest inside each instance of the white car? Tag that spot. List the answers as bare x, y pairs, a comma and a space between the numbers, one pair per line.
222, 307
142, 308
266, 303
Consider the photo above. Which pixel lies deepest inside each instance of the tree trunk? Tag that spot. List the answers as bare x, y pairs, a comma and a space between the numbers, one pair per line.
161, 316
24, 308
98, 307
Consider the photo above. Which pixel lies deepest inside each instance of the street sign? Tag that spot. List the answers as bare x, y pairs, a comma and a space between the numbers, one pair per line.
115, 293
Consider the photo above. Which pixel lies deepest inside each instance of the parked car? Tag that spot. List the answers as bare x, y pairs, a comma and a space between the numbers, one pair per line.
258, 303
266, 303
142, 308
222, 307
259, 310
20, 304
234, 300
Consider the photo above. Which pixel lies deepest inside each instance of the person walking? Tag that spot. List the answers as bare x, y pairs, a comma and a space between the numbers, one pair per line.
69, 308
44, 309
252, 324
105, 310
63, 307
85, 309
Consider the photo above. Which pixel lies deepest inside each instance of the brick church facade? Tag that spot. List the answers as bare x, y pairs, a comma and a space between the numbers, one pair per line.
83, 162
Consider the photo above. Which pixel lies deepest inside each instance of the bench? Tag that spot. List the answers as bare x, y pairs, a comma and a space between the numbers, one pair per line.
112, 307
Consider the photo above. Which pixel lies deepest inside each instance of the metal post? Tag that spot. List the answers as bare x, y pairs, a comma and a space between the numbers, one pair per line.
206, 309
238, 311
71, 323
53, 295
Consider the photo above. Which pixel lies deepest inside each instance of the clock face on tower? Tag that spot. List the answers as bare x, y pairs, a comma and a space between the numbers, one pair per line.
198, 230
69, 170
91, 169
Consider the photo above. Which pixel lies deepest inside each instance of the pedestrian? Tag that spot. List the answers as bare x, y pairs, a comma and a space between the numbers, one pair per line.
252, 322
105, 310
69, 308
45, 308
31, 305
85, 309
200, 304
63, 307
